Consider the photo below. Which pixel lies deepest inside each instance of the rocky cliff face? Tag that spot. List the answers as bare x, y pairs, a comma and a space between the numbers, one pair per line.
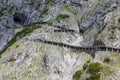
90, 19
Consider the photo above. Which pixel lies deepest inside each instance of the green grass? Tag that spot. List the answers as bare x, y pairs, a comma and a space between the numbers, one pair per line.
77, 75
113, 27
94, 69
107, 60
94, 77
106, 71
48, 1
117, 57
86, 65
99, 31
27, 73
62, 16
44, 12
66, 7
10, 9
16, 27
5, 8
49, 23
20, 34
119, 20
1, 11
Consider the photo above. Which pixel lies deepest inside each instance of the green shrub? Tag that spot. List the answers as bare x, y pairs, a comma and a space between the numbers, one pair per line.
94, 67
107, 60
77, 75
94, 77
86, 65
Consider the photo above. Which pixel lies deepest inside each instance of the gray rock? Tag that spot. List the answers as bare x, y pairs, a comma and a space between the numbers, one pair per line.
5, 36
27, 60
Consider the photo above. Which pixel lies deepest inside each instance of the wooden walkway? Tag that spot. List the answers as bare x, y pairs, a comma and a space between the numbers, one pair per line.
98, 46
88, 49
